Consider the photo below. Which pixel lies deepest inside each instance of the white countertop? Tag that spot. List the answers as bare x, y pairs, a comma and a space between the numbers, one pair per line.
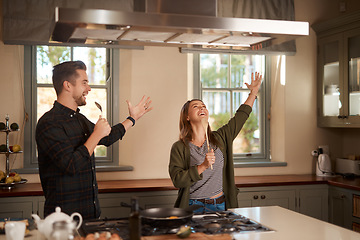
286, 224
291, 225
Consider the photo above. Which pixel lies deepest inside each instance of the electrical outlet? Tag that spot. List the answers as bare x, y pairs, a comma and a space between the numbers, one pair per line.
315, 153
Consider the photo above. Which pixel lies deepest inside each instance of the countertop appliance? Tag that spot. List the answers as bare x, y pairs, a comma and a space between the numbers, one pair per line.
210, 223
323, 165
347, 166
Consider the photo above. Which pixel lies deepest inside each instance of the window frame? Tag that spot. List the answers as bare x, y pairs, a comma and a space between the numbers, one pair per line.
30, 163
241, 160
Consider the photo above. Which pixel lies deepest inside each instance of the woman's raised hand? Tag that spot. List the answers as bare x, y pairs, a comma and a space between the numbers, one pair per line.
255, 83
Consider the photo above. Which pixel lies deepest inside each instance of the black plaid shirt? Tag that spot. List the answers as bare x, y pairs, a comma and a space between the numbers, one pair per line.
66, 169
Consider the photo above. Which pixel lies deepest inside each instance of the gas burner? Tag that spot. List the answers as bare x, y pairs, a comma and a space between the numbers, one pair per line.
209, 223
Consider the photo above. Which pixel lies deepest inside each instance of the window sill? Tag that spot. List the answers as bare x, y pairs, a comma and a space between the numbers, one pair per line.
259, 164
114, 168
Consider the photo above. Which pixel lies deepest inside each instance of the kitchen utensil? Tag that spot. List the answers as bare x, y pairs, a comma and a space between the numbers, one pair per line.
205, 124
99, 107
46, 226
166, 217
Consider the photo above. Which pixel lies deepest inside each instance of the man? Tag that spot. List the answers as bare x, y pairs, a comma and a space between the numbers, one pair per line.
66, 140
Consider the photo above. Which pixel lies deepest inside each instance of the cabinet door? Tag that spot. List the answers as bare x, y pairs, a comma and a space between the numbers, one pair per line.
110, 204
340, 207
282, 198
352, 63
331, 85
166, 199
314, 203
41, 206
20, 207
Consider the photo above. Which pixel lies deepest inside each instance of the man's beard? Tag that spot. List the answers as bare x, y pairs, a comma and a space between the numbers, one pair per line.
80, 101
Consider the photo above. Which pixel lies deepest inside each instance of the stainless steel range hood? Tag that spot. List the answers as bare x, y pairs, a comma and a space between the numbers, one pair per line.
118, 28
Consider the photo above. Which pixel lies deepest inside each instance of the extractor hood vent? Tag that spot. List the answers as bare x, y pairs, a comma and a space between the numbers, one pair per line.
185, 30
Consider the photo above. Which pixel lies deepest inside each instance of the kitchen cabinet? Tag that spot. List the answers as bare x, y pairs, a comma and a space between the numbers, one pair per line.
267, 196
338, 71
111, 206
19, 207
340, 207
110, 203
311, 200
343, 208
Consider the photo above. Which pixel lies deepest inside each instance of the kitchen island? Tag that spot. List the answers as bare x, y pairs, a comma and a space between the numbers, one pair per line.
286, 224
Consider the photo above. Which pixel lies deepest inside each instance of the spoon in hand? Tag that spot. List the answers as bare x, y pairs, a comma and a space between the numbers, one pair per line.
205, 124
99, 107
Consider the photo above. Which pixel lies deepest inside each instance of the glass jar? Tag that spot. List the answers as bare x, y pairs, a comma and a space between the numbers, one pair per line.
63, 230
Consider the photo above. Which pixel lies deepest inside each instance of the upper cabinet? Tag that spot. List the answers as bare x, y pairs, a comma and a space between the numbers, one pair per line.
338, 42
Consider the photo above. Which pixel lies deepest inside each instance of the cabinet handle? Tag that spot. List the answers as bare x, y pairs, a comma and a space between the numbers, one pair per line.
263, 197
342, 196
256, 197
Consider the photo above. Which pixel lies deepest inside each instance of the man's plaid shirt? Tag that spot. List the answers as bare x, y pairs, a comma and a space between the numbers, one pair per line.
66, 169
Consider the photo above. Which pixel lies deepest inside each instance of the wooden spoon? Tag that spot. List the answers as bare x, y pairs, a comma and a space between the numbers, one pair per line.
205, 124
99, 107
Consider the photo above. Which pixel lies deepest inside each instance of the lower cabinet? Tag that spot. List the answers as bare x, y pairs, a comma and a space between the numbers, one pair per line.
307, 199
110, 203
19, 207
311, 200
112, 207
269, 196
344, 208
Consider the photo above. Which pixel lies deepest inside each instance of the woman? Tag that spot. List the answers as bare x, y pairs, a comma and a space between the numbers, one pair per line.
207, 177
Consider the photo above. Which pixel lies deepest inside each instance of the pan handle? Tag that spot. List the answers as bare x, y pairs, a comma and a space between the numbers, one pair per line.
123, 204
193, 207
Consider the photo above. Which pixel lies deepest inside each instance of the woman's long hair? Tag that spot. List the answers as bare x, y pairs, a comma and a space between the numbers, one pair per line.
186, 131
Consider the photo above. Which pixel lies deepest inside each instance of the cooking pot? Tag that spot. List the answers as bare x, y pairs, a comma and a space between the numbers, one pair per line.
166, 217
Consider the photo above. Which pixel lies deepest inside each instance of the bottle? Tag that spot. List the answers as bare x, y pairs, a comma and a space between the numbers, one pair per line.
62, 230
134, 220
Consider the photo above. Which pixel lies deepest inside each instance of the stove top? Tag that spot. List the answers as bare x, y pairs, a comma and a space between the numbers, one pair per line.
213, 223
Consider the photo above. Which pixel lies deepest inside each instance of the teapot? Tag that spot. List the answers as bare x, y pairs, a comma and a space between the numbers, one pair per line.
46, 226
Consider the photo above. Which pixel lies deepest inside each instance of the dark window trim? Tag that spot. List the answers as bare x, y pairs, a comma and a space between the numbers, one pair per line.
30, 162
240, 160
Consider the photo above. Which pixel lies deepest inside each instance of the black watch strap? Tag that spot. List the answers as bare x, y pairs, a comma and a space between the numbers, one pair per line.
131, 119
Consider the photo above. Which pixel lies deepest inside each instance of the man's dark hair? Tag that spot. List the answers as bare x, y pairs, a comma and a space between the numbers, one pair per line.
66, 71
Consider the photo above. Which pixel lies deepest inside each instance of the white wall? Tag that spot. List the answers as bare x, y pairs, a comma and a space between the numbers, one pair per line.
165, 75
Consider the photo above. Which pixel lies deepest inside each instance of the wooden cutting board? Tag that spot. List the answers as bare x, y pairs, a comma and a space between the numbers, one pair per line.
193, 236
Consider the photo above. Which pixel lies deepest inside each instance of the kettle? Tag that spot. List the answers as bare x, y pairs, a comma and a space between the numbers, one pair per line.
46, 226
323, 165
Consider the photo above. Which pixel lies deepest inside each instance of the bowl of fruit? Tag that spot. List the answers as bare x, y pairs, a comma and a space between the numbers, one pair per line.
11, 180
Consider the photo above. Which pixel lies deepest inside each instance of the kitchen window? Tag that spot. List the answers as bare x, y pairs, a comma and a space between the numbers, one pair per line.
220, 83
40, 94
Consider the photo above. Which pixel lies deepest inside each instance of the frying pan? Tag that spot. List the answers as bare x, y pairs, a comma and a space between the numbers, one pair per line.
166, 217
